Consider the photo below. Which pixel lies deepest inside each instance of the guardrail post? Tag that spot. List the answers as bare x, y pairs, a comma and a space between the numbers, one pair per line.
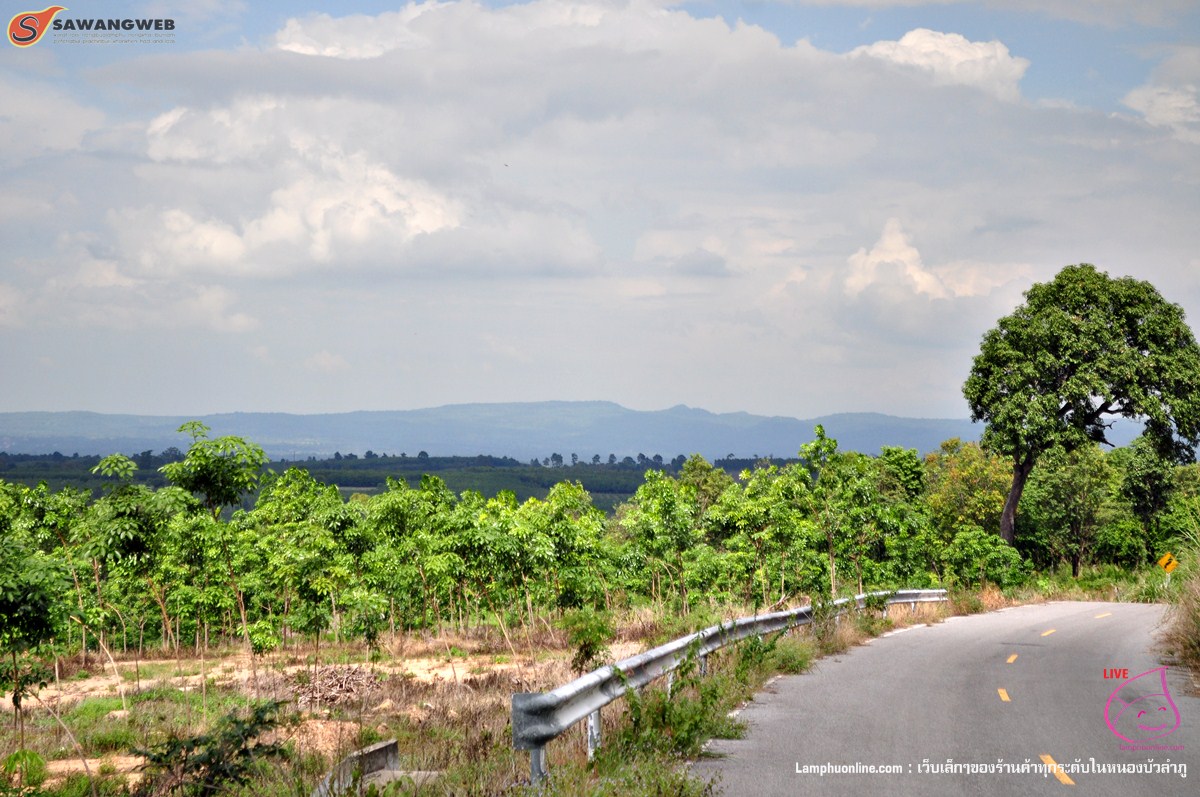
704, 664
537, 764
593, 734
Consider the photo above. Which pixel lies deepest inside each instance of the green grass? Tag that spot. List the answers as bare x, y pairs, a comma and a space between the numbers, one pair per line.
1145, 584
157, 670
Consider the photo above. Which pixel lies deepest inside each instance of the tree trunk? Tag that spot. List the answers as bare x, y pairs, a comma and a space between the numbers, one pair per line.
1008, 518
160, 597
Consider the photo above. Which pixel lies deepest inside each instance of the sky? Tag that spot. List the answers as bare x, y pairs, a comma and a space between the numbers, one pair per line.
783, 207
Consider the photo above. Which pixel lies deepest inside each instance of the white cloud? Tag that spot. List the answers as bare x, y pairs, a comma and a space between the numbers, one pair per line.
1176, 107
94, 274
336, 209
1171, 98
40, 119
11, 301
15, 205
438, 189
893, 251
326, 362
238, 132
356, 36
173, 241
79, 288
952, 59
971, 278
210, 305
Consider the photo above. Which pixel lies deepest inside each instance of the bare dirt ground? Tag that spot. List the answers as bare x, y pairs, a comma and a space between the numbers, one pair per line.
126, 765
424, 665
235, 670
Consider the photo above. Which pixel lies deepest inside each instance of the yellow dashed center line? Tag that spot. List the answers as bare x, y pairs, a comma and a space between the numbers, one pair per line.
1003, 695
1106, 614
1063, 778
1048, 633
1012, 658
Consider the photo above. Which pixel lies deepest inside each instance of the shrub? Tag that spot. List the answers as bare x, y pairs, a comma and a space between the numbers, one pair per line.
589, 632
976, 556
24, 768
793, 655
207, 763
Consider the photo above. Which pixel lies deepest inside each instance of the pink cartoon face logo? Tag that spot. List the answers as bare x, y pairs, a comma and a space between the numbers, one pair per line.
1141, 709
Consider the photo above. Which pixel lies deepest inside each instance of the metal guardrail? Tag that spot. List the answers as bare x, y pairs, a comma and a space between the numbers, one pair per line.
349, 774
538, 717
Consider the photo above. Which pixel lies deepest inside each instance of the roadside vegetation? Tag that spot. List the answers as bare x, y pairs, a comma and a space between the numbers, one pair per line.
159, 618
1182, 636
206, 611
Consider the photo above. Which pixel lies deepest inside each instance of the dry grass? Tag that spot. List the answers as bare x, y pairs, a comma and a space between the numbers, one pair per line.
457, 721
1181, 634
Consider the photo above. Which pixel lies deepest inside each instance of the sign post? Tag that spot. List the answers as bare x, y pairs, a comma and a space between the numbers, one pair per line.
1168, 562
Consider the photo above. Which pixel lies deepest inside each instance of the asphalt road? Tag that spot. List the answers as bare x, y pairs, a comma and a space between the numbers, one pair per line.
978, 696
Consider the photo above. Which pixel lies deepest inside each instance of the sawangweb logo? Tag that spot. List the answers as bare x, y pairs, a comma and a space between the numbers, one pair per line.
27, 27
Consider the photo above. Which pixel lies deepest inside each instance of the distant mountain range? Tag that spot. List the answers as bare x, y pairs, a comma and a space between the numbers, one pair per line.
522, 431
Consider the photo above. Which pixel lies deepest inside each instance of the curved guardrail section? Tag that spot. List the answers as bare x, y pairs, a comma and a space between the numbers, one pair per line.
538, 717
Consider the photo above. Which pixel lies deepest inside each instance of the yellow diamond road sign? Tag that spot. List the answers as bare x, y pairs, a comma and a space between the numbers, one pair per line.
1168, 562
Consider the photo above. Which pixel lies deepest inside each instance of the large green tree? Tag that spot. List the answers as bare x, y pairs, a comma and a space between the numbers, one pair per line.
1082, 350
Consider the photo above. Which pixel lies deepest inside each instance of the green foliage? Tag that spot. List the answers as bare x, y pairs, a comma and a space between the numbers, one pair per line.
221, 471
674, 725
209, 763
1082, 348
23, 769
707, 480
1121, 540
977, 557
793, 655
263, 637
751, 654
1066, 500
1147, 480
304, 564
30, 585
966, 487
901, 473
24, 677
118, 465
31, 609
661, 521
589, 632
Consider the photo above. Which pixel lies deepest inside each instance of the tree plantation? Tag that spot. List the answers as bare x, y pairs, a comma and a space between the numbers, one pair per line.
137, 568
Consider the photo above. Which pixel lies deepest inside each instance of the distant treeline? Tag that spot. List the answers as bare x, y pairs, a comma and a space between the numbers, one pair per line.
609, 480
